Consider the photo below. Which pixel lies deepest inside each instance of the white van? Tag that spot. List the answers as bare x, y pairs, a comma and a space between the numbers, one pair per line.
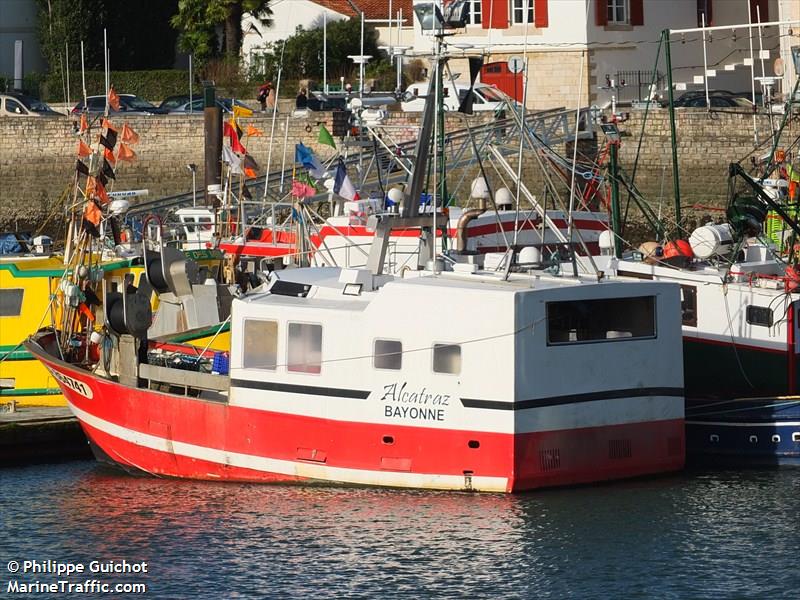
485, 97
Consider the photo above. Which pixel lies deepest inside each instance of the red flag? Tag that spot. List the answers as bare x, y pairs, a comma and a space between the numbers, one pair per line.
109, 156
128, 135
84, 124
83, 149
113, 98
236, 145
126, 153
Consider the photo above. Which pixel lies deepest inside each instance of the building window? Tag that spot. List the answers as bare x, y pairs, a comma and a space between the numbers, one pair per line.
759, 315
260, 347
447, 358
614, 319
618, 11
474, 12
11, 302
521, 12
305, 348
388, 355
689, 305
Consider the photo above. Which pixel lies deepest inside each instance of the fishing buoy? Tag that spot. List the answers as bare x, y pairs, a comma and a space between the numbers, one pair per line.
711, 240
678, 253
651, 252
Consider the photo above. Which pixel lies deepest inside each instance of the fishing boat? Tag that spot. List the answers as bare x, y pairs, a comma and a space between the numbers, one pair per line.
449, 376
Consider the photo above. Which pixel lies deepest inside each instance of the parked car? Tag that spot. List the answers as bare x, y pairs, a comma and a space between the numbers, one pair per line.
172, 102
20, 105
716, 100
484, 97
196, 105
128, 105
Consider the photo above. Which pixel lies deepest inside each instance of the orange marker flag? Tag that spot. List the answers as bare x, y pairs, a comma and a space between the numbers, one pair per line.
83, 149
109, 156
128, 135
84, 123
107, 124
254, 131
126, 153
250, 172
92, 213
100, 192
113, 98
85, 310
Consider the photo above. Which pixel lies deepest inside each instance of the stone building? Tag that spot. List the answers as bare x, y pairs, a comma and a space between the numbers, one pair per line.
618, 40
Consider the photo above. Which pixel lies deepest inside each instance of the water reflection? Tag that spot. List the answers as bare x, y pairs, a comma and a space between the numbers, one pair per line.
700, 534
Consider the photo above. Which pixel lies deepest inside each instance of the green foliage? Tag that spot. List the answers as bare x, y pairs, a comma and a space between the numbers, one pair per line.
303, 51
198, 20
138, 33
150, 85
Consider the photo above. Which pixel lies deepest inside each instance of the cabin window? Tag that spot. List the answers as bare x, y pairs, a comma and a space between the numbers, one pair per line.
447, 358
206, 223
11, 302
305, 348
689, 305
388, 354
759, 315
189, 224
260, 349
584, 321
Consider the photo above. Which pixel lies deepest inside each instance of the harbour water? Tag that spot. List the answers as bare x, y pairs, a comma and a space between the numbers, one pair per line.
699, 534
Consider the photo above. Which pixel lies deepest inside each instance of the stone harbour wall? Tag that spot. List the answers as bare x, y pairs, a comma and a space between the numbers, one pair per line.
37, 156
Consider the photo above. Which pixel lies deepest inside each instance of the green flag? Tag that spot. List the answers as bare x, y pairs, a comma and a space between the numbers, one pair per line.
325, 137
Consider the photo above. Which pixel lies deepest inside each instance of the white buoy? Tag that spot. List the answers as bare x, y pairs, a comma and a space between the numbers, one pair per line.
711, 240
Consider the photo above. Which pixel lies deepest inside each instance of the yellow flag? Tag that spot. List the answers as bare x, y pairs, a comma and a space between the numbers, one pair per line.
241, 111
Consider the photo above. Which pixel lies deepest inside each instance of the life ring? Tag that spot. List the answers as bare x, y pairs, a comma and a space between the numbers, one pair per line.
308, 128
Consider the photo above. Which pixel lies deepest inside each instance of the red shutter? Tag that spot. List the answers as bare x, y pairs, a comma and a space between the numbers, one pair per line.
763, 11
601, 12
540, 18
637, 12
485, 11
494, 14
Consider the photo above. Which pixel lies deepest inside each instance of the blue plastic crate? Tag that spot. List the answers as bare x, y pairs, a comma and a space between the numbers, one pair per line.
221, 363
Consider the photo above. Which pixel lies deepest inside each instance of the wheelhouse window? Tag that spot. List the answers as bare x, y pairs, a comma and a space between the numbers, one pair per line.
388, 355
11, 302
759, 315
474, 12
260, 344
447, 358
618, 11
689, 305
305, 348
521, 12
585, 321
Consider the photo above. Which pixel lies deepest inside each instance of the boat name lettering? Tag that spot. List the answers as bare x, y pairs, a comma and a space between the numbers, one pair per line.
395, 392
73, 384
414, 412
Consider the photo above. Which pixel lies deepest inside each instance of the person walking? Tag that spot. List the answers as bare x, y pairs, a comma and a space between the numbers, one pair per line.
263, 94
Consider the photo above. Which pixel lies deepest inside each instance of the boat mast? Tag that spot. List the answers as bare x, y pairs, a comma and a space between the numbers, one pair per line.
676, 186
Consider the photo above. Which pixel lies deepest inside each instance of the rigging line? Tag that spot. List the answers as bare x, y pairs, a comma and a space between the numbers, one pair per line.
733, 339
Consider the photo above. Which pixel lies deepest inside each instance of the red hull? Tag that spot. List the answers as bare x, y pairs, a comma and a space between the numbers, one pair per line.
176, 436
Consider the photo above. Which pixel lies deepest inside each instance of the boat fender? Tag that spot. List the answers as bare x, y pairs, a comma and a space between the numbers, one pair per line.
791, 279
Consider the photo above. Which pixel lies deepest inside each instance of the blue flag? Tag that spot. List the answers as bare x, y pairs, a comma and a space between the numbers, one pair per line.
305, 157
342, 184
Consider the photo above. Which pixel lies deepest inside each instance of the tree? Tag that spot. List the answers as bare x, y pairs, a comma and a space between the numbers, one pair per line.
304, 50
68, 22
198, 22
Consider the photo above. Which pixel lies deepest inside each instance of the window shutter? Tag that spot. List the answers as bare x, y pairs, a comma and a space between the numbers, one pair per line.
763, 10
494, 14
601, 12
637, 12
485, 12
540, 17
